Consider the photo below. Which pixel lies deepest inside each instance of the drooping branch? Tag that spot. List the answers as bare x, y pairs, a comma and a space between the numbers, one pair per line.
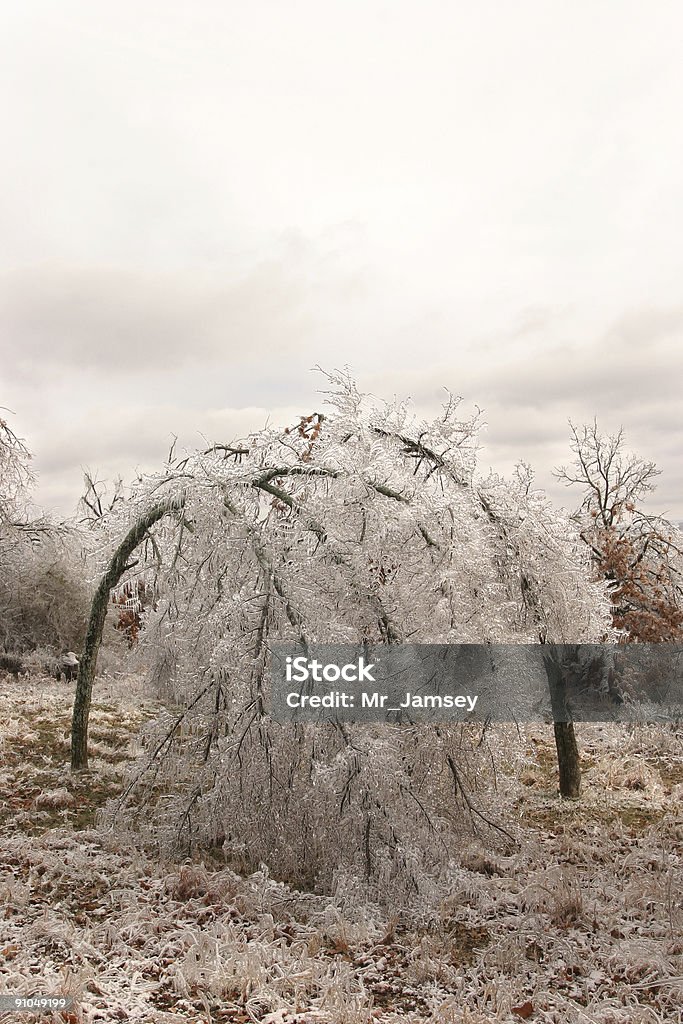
388, 629
528, 590
263, 482
265, 561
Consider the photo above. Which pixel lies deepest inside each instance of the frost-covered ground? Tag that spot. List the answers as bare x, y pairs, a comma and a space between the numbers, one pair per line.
583, 922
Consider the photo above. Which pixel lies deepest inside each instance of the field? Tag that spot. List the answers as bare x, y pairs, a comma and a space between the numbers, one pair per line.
579, 920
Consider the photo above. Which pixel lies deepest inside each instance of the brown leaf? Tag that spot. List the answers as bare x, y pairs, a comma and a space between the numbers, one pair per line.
525, 1010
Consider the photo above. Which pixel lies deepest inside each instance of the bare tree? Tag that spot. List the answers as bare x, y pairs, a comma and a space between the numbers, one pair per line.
98, 498
614, 480
16, 481
638, 553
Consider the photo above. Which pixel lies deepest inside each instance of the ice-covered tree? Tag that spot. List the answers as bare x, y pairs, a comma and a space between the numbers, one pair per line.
359, 524
16, 480
43, 600
640, 554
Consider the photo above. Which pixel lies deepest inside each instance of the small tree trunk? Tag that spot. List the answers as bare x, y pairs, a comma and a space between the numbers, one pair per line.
568, 761
93, 636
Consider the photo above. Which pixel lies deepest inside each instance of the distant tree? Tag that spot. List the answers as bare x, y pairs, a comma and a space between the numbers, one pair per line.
640, 555
16, 480
42, 594
361, 525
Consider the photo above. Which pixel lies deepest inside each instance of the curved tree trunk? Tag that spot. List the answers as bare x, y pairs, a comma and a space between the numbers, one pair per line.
93, 637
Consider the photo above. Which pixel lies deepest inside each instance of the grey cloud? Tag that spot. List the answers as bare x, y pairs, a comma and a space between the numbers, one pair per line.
628, 375
112, 443
92, 318
534, 319
139, 434
119, 321
641, 328
638, 359
569, 376
206, 207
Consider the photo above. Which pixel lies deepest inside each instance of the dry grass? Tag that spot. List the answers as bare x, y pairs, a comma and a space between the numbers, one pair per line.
582, 923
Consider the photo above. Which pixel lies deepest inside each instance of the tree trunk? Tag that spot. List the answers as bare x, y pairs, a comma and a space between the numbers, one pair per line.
568, 761
93, 637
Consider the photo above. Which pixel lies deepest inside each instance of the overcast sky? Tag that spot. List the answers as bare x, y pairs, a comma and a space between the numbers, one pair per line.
201, 201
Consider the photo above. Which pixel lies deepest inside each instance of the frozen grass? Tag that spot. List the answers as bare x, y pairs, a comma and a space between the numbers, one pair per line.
583, 922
